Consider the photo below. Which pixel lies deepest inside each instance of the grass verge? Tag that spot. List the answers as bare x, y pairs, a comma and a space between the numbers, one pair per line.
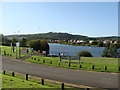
19, 81
86, 62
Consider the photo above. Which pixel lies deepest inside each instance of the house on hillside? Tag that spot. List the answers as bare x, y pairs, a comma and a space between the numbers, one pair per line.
106, 41
93, 42
81, 41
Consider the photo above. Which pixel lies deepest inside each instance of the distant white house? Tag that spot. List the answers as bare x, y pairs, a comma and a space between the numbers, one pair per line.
106, 41
70, 41
91, 41
81, 41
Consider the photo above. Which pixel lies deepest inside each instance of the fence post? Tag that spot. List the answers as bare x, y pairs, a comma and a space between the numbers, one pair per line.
26, 76
62, 86
92, 67
118, 68
58, 63
42, 81
50, 62
43, 61
87, 89
79, 59
80, 66
4, 52
60, 58
16, 54
13, 74
4, 72
69, 64
105, 67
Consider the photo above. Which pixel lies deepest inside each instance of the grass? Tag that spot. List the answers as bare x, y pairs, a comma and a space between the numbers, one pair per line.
99, 63
86, 62
12, 82
19, 82
8, 50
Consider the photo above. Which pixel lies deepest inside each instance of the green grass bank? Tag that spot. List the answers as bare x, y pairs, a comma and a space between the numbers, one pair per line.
112, 64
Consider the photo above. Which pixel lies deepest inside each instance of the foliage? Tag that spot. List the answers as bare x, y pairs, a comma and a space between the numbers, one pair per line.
23, 42
4, 40
111, 51
44, 46
13, 41
105, 52
51, 35
107, 44
84, 54
100, 44
41, 45
61, 36
35, 44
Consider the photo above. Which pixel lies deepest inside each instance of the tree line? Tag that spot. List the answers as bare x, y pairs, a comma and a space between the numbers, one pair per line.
61, 36
110, 50
36, 44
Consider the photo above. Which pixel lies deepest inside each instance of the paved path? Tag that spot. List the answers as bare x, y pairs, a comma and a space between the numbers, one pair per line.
94, 79
23, 51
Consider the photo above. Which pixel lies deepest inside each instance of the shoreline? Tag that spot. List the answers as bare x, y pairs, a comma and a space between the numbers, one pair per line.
74, 44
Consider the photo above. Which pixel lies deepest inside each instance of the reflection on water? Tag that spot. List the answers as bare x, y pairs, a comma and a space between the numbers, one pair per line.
73, 50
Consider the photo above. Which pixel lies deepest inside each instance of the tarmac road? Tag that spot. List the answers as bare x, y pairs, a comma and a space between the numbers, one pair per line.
80, 77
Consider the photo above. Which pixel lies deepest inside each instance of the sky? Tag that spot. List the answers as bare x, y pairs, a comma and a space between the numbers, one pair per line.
93, 19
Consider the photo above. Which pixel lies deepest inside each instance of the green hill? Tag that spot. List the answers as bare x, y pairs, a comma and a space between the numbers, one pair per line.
50, 35
61, 36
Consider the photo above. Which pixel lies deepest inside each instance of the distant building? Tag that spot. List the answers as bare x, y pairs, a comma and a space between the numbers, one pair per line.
81, 41
106, 41
93, 42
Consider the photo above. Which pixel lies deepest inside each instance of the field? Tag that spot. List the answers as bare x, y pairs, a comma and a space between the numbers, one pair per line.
86, 62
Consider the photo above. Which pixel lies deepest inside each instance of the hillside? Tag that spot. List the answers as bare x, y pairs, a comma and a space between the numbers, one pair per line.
61, 36
50, 35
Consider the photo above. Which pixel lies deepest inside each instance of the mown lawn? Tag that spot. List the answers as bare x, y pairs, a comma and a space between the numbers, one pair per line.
86, 62
19, 81
9, 51
13, 82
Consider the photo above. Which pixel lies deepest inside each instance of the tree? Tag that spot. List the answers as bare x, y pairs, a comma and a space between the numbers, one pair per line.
41, 45
35, 44
107, 44
23, 42
111, 51
5, 41
100, 44
44, 46
115, 46
13, 41
84, 54
105, 52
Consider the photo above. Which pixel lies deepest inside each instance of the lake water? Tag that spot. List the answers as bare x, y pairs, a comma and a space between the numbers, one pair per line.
72, 50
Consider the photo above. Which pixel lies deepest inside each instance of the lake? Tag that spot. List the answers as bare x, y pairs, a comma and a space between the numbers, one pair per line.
72, 50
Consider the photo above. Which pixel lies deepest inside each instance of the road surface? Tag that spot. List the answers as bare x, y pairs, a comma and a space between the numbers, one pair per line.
80, 77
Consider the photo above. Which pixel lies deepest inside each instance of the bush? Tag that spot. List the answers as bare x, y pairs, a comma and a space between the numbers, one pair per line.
84, 54
41, 45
